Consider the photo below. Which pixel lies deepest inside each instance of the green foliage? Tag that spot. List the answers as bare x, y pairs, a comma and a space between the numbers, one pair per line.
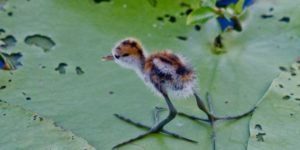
84, 31
23, 129
239, 6
201, 15
275, 125
227, 13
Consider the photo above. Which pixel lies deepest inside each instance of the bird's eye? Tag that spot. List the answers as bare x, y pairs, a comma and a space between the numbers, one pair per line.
126, 54
117, 56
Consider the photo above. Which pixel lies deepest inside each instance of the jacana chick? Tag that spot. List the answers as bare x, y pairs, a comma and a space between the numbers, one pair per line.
167, 74
164, 72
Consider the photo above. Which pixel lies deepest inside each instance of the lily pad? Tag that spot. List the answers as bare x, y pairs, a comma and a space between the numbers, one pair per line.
84, 31
275, 124
24, 129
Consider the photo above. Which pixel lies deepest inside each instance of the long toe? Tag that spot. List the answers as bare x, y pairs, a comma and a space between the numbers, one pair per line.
238, 116
132, 140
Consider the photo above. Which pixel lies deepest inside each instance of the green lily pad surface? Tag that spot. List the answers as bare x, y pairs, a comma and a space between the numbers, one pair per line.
275, 124
23, 129
64, 79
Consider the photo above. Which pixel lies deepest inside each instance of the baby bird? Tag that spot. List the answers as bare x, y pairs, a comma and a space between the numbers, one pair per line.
167, 74
164, 72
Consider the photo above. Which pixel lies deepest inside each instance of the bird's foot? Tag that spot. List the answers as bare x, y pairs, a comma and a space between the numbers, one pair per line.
150, 131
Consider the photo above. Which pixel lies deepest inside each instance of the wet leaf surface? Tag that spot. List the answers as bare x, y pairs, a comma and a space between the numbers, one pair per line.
24, 129
275, 124
84, 31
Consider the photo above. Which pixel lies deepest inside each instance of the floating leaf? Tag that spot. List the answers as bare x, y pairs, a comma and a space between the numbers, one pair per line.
85, 31
201, 15
278, 115
28, 130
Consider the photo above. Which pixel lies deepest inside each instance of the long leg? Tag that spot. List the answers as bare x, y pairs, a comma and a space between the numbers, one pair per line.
158, 127
171, 116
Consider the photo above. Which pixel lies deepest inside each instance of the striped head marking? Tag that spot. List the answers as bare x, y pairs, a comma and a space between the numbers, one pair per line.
128, 53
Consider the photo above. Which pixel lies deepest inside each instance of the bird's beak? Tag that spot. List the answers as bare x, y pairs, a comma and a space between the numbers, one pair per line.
108, 58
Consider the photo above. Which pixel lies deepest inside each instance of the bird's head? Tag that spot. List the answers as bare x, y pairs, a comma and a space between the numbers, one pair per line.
128, 53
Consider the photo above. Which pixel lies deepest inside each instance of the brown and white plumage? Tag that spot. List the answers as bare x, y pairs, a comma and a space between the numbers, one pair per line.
167, 74
161, 70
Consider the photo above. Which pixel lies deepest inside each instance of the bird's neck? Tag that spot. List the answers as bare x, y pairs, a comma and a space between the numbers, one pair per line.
140, 68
